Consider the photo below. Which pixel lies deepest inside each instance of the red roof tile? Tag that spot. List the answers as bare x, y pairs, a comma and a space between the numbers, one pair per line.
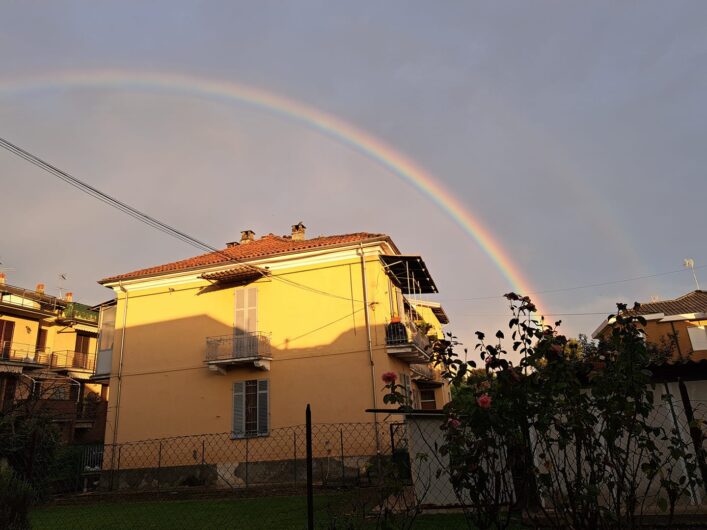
692, 302
266, 246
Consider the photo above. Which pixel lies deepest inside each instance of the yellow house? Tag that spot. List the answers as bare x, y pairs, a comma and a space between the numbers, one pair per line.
679, 324
241, 340
47, 356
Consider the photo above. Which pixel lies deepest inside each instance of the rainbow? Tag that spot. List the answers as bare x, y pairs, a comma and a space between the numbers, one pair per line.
331, 126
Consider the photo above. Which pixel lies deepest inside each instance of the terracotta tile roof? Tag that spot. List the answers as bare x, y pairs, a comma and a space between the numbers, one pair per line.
267, 246
693, 302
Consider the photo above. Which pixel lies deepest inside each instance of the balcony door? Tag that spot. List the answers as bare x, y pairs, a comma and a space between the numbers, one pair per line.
7, 328
245, 339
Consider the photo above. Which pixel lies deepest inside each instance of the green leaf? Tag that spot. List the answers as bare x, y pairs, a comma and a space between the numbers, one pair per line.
662, 504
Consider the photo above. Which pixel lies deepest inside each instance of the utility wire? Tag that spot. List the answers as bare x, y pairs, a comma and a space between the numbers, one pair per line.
578, 287
182, 236
147, 219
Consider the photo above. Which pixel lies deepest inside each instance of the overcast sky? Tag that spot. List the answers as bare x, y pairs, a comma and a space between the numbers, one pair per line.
574, 132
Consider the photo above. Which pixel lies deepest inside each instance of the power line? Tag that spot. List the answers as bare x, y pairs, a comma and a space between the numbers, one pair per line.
578, 287
147, 219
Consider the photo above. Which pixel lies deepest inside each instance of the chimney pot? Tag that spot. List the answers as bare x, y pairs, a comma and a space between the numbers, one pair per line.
247, 236
69, 297
40, 288
298, 231
2, 278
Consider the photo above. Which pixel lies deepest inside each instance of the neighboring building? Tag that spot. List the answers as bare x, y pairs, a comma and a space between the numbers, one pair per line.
47, 356
209, 345
678, 323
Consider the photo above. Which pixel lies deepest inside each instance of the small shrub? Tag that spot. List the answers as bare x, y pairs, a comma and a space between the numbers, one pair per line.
15, 500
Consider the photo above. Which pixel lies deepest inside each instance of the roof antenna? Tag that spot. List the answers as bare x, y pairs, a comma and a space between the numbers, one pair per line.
62, 278
689, 263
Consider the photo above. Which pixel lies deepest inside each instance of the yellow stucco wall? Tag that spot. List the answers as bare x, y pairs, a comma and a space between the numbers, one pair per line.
319, 351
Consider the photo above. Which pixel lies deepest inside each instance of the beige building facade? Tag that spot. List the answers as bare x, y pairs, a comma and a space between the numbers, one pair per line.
241, 340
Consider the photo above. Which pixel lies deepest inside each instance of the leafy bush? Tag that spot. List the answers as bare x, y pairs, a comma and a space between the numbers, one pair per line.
567, 439
15, 500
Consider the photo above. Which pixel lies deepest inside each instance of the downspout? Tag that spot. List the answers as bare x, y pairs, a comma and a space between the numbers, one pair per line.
120, 368
370, 345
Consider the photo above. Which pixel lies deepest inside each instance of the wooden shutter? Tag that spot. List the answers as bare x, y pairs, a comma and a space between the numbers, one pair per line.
246, 320
239, 409
263, 407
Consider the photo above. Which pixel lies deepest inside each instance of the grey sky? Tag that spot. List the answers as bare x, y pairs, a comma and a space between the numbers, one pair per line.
575, 132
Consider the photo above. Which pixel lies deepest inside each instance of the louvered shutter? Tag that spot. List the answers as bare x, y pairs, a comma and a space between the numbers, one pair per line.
263, 407
239, 409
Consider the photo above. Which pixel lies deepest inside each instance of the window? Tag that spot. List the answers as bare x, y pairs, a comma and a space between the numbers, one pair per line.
407, 386
251, 408
41, 340
245, 340
427, 399
698, 337
7, 328
82, 343
105, 340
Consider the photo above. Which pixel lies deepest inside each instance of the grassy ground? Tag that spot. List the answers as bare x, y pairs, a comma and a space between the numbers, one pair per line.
262, 512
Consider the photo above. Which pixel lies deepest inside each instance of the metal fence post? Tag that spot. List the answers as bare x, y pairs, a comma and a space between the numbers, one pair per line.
203, 462
695, 432
246, 462
294, 453
310, 494
159, 464
343, 468
120, 447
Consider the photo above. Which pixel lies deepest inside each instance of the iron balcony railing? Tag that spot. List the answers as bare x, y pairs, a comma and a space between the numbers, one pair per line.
241, 345
68, 359
18, 352
401, 334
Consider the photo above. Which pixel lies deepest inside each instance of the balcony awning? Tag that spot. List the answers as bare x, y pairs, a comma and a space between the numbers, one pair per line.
239, 273
409, 273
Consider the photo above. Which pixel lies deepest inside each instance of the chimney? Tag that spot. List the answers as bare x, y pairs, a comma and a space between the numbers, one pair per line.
69, 297
2, 278
40, 288
247, 236
298, 231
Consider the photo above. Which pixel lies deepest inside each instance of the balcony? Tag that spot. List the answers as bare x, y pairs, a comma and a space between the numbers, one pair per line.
79, 312
406, 342
424, 372
73, 360
23, 353
239, 348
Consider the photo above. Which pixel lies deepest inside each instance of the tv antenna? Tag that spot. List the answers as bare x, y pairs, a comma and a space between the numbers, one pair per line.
62, 278
689, 263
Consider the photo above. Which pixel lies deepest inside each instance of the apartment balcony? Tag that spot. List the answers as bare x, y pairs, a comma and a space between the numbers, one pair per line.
79, 312
242, 348
67, 360
23, 353
424, 372
405, 342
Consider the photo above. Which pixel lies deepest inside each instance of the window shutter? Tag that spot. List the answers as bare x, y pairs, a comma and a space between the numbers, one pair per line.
239, 409
263, 407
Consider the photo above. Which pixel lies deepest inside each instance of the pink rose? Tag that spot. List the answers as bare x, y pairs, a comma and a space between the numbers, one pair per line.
389, 377
484, 401
453, 423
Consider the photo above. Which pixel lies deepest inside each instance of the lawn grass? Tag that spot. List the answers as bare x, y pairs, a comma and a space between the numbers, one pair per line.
261, 512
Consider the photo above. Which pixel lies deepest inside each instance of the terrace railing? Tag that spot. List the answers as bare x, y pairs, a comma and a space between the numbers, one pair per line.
238, 346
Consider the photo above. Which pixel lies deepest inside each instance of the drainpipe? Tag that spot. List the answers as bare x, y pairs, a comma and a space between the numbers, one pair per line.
120, 368
370, 344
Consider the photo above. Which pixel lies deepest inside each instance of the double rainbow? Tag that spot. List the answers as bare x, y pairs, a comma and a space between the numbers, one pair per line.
331, 126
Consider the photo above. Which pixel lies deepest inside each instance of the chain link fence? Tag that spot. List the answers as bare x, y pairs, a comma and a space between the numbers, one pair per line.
363, 475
